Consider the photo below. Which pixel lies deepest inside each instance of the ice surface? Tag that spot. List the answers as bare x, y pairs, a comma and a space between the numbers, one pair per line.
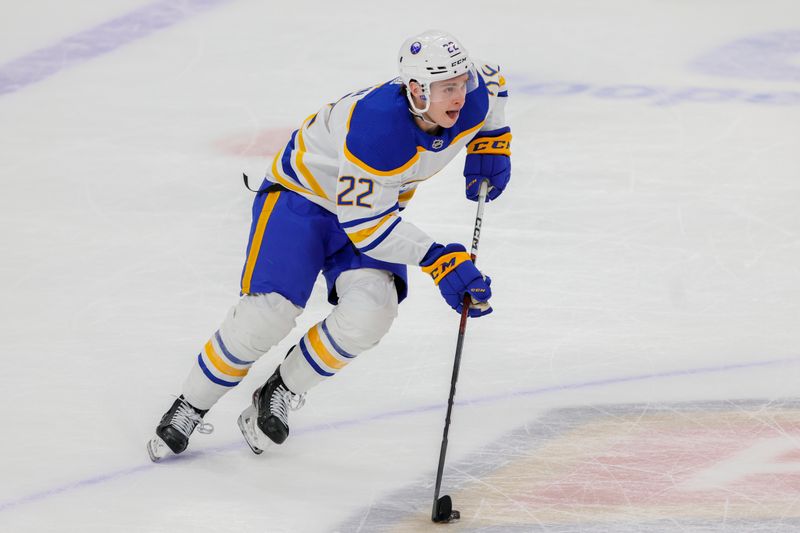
640, 372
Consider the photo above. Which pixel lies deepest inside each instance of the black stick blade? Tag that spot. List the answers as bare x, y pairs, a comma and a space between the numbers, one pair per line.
443, 510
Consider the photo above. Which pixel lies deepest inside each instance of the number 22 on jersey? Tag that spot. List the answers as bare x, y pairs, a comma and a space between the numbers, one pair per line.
365, 188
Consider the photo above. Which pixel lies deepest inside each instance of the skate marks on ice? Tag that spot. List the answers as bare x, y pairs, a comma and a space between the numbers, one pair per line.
711, 466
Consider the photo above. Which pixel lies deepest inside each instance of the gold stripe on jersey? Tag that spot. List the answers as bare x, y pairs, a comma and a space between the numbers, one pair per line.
301, 166
374, 171
361, 235
258, 236
399, 170
469, 131
283, 180
406, 196
353, 159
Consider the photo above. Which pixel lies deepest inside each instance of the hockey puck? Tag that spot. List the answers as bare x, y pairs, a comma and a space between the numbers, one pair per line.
444, 511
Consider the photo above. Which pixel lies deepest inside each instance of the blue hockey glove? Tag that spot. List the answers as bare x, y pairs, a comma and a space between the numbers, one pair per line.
456, 275
488, 157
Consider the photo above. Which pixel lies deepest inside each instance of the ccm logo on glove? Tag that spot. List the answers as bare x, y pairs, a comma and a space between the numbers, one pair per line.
444, 264
498, 145
488, 157
456, 276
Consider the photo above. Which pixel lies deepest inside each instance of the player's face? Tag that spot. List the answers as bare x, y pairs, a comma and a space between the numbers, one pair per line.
447, 99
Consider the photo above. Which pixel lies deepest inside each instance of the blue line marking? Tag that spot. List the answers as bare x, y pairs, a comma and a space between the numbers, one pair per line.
102, 39
328, 426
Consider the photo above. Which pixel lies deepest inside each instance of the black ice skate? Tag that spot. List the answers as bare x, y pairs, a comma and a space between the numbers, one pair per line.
266, 421
177, 424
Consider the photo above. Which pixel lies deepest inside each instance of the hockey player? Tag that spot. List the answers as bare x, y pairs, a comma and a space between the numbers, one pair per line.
332, 203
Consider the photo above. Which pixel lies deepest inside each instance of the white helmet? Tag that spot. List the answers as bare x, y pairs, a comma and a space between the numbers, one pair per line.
431, 56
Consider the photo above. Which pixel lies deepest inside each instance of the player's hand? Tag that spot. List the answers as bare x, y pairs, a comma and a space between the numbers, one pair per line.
456, 276
488, 157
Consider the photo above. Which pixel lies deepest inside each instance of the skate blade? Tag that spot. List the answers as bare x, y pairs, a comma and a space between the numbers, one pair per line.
157, 449
253, 436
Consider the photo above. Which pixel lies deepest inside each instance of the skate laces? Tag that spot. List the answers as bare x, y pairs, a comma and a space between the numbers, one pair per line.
185, 419
282, 401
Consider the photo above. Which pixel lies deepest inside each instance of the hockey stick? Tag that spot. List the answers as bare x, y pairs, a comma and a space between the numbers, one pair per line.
443, 507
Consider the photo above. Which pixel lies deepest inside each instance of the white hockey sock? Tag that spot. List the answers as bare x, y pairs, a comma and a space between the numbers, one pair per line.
367, 306
254, 325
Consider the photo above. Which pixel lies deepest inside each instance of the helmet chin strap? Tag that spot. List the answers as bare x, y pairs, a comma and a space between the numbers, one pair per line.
422, 117
417, 112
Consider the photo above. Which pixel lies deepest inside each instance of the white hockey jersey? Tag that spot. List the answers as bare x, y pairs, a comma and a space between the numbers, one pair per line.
363, 157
